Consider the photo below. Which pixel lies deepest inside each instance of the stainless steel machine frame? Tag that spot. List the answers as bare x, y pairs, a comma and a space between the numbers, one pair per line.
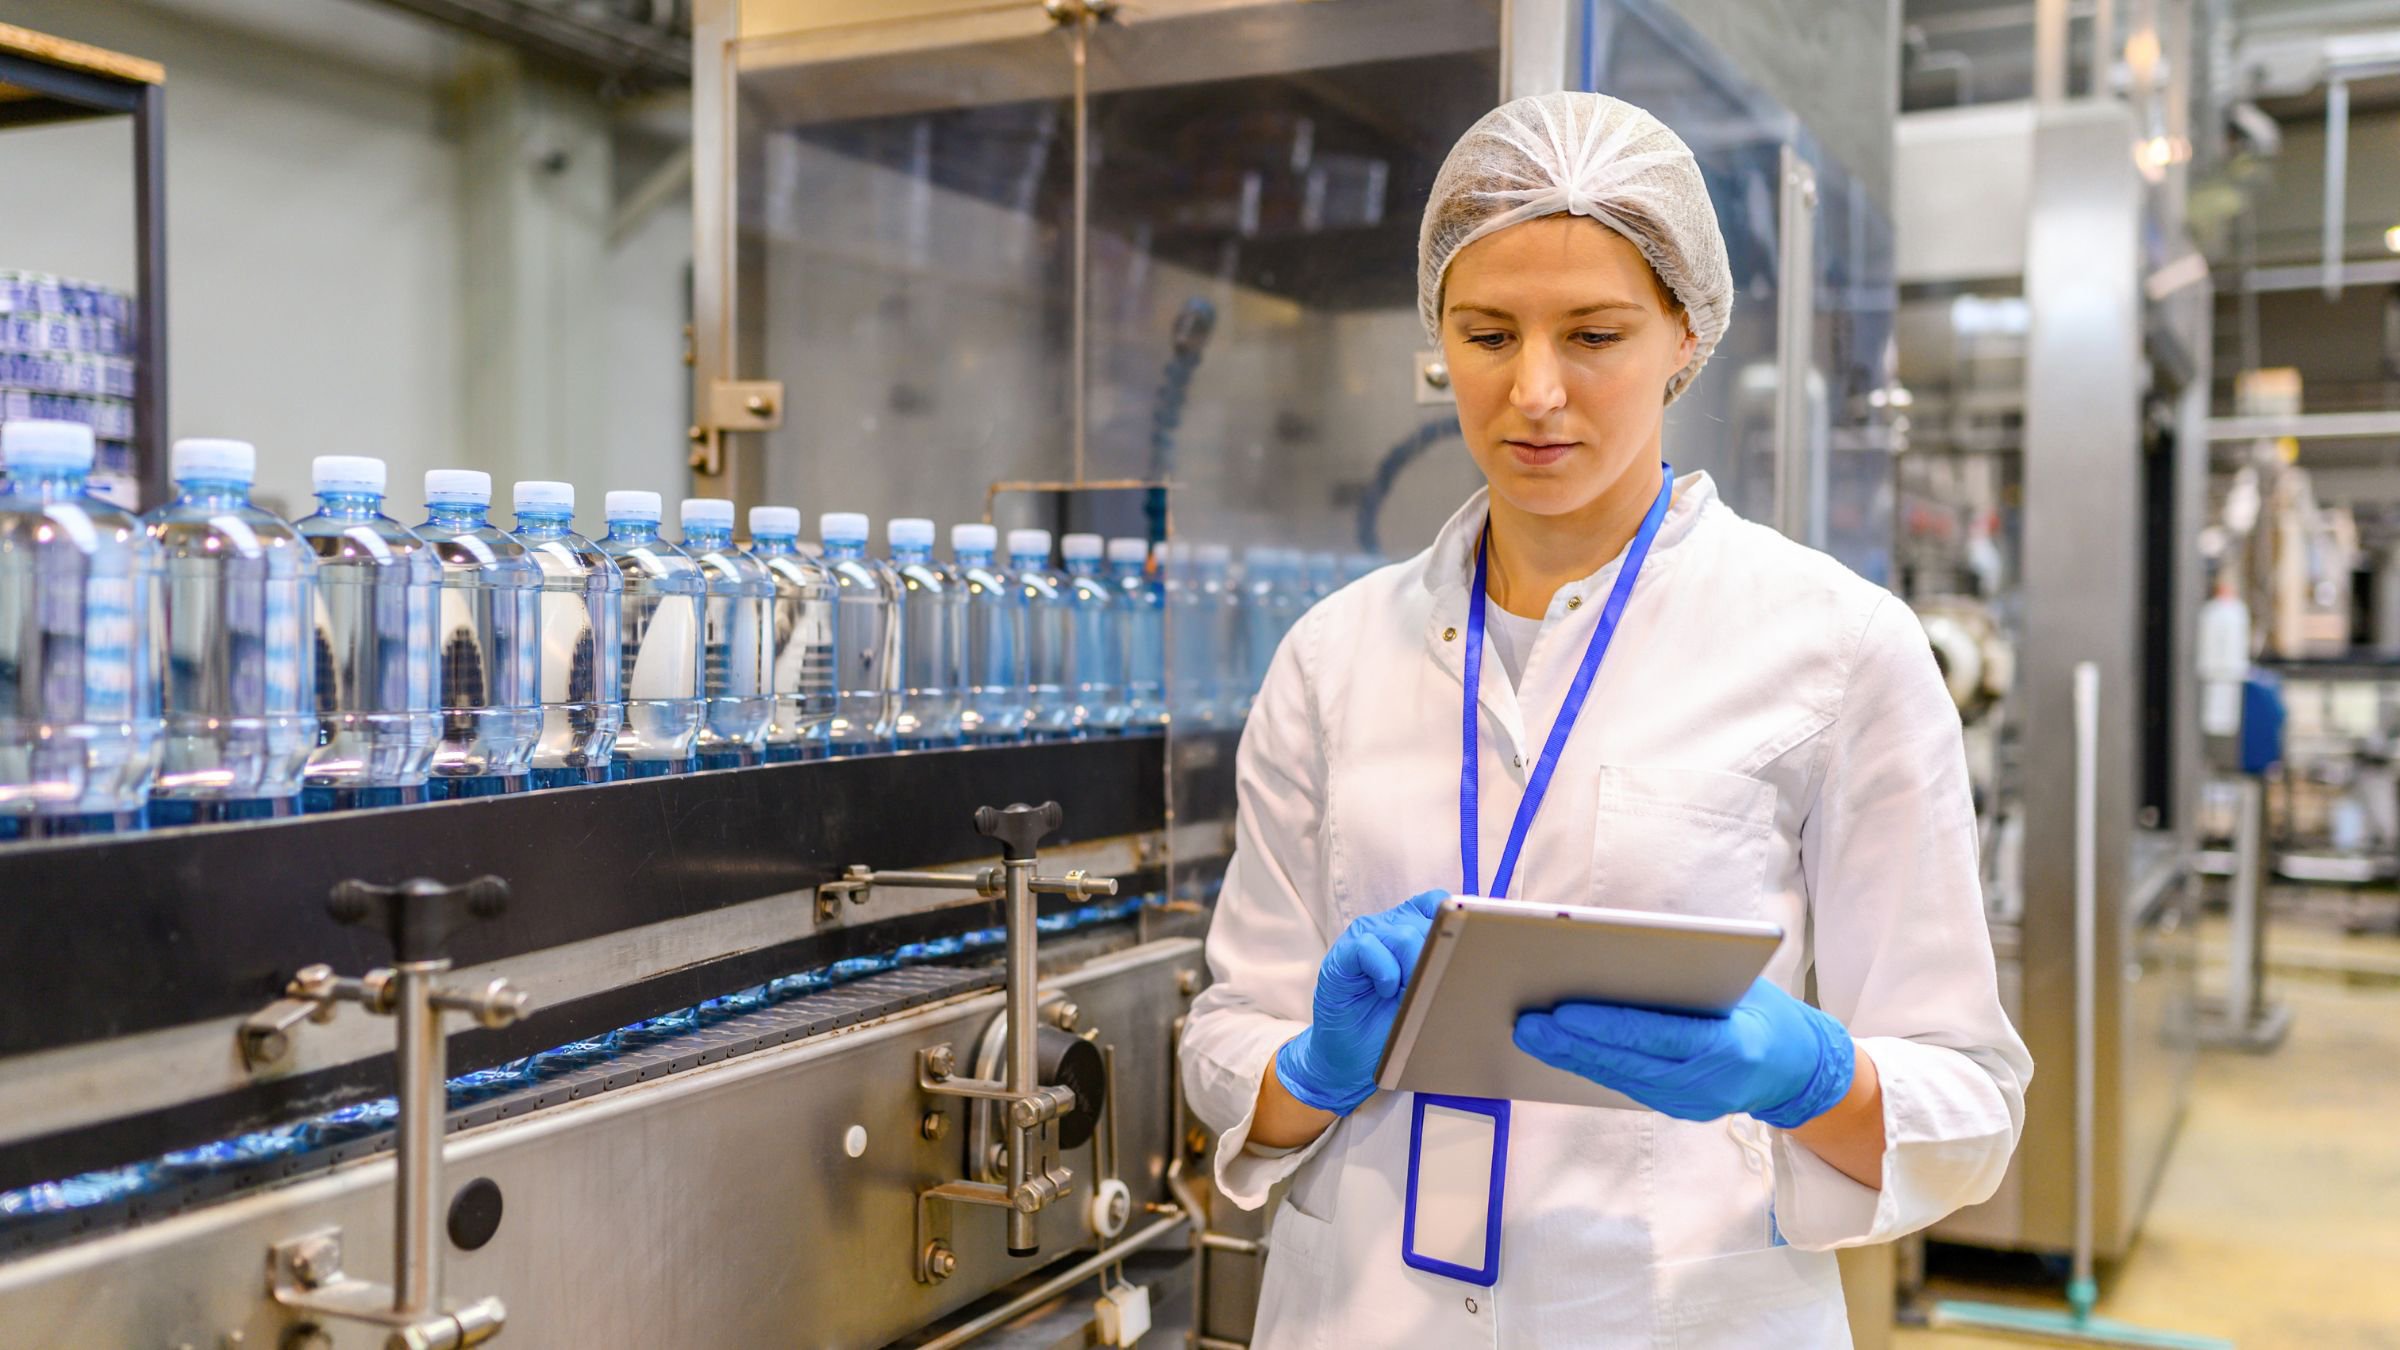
2045, 200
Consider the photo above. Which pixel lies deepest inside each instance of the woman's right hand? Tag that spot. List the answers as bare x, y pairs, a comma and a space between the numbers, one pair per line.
1331, 1066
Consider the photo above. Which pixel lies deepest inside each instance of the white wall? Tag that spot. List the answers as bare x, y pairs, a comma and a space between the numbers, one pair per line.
323, 280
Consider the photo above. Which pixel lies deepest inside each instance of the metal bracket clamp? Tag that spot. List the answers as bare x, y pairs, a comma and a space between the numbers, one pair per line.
733, 405
304, 1274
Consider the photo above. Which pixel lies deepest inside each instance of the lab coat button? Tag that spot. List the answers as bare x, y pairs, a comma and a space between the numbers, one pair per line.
1449, 635
1470, 1305
1574, 602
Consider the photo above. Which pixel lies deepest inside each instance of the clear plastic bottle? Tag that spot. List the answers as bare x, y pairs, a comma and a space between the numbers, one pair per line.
583, 659
1096, 647
661, 631
79, 724
1048, 630
378, 589
1143, 621
1324, 575
741, 624
1270, 602
1201, 612
801, 660
230, 618
866, 641
489, 634
995, 706
932, 640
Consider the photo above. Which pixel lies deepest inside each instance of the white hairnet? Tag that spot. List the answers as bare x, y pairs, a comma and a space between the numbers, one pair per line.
1586, 155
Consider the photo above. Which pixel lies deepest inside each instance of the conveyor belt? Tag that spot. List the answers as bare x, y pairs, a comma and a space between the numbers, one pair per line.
792, 1008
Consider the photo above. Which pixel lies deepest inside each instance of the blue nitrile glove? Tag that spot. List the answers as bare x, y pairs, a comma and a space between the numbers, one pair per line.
1331, 1066
1774, 1057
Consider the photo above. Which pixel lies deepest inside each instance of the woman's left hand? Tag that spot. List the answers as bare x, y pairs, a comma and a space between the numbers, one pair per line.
1774, 1057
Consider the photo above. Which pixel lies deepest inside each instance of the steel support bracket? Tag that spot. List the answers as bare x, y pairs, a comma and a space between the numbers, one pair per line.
304, 1274
745, 405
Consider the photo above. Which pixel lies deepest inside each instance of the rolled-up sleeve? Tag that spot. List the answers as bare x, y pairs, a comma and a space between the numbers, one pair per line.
1903, 954
1265, 943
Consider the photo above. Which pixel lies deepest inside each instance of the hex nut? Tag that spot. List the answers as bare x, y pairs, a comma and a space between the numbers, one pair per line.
936, 1125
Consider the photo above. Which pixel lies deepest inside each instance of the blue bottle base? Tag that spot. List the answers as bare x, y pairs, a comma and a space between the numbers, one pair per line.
169, 812
317, 800
69, 827
440, 789
621, 769
543, 779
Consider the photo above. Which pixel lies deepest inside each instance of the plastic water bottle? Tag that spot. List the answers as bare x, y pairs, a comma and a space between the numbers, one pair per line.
1143, 621
932, 640
866, 641
1324, 575
238, 687
661, 632
1096, 639
1201, 611
79, 727
801, 657
378, 589
583, 662
995, 706
740, 627
1047, 627
489, 633
1269, 604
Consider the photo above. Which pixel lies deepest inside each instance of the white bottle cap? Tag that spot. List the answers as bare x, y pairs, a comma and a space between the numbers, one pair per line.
42, 444
626, 504
346, 473
708, 513
1081, 546
543, 494
203, 459
458, 485
909, 532
847, 527
974, 537
782, 522
1128, 550
1029, 544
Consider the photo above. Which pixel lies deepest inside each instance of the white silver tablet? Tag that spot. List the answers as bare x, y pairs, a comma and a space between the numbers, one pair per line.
1489, 960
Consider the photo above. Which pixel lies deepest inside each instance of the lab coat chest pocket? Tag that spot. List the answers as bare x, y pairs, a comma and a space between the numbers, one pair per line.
1682, 841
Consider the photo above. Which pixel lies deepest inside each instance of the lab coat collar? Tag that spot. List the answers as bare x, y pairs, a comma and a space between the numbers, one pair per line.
1450, 572
1450, 564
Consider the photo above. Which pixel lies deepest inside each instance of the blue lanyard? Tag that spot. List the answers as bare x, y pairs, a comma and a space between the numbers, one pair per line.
1470, 834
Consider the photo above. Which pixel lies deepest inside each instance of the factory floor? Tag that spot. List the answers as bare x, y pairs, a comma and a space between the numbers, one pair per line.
2277, 1221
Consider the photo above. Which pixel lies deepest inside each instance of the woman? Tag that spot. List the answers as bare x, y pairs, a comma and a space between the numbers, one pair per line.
1765, 736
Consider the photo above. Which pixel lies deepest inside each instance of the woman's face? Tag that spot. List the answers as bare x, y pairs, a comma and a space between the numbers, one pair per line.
1560, 343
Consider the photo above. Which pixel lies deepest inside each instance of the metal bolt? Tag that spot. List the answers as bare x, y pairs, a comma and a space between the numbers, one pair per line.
1187, 982
265, 1045
759, 405
940, 1062
317, 1261
940, 1262
936, 1125
697, 435
1064, 1015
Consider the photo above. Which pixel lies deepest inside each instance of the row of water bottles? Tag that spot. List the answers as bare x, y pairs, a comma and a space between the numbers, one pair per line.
212, 661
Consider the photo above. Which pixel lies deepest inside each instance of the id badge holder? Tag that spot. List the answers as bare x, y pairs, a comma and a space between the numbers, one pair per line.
1457, 1174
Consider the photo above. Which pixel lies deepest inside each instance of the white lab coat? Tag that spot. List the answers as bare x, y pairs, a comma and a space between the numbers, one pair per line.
1769, 738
